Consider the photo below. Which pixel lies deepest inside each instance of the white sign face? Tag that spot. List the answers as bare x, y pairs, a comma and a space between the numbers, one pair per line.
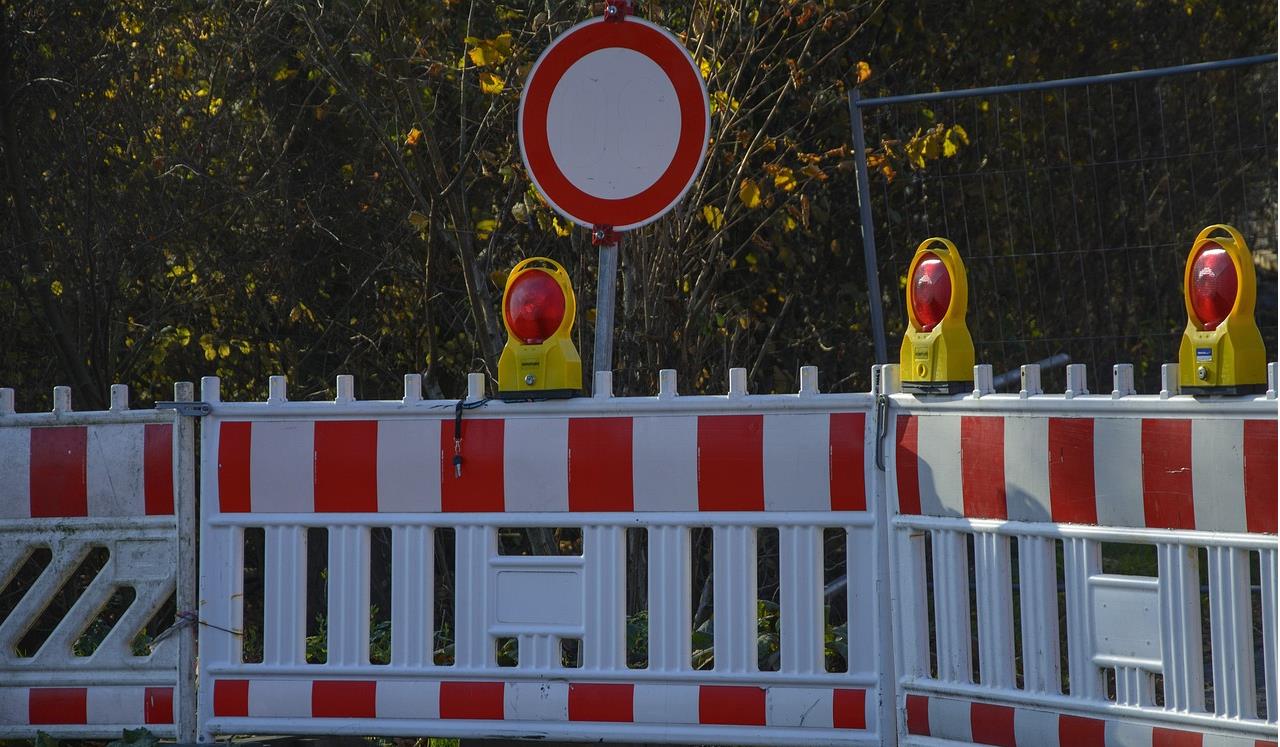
607, 135
614, 123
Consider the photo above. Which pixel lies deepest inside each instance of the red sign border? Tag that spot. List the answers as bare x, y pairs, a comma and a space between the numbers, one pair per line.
668, 53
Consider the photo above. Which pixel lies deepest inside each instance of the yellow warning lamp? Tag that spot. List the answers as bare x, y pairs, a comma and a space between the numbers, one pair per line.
937, 351
1222, 350
539, 360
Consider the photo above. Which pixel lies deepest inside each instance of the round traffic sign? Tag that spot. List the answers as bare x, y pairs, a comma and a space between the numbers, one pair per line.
614, 121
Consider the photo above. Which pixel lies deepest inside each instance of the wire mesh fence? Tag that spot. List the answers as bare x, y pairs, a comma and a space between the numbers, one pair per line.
1074, 206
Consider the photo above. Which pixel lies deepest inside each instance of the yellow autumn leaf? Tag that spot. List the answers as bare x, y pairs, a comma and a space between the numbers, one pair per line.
224, 350
491, 84
561, 229
56, 287
722, 102
488, 52
749, 193
789, 224
485, 228
956, 136
863, 71
784, 179
417, 220
713, 216
413, 137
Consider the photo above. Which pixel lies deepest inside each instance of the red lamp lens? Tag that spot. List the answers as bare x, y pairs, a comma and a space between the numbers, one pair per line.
1213, 285
535, 306
930, 291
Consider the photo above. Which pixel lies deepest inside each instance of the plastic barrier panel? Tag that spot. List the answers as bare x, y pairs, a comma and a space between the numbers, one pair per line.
1084, 570
88, 559
541, 639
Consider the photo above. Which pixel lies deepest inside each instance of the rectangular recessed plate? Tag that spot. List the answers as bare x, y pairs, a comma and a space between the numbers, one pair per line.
539, 597
1126, 617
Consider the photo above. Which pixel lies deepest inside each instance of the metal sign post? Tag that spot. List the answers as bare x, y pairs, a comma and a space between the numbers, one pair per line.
614, 123
606, 291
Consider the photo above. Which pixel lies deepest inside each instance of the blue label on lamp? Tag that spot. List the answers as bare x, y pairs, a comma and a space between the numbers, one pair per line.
1204, 355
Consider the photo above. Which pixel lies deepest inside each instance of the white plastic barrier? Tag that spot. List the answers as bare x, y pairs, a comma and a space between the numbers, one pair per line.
72, 484
734, 464
988, 488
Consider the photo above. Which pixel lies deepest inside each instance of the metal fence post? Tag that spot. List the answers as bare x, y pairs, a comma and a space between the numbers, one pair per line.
184, 485
875, 302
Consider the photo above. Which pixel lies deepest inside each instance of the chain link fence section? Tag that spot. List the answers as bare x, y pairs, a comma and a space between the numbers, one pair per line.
1074, 204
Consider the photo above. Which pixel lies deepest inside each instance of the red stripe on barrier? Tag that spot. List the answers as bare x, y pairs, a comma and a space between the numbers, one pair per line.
157, 705
1166, 474
849, 709
346, 459
1263, 743
907, 466
598, 702
480, 487
992, 724
1078, 731
344, 699
731, 705
157, 469
730, 463
600, 464
231, 698
234, 442
1162, 737
57, 705
1071, 489
982, 467
471, 700
848, 481
58, 463
1260, 475
918, 714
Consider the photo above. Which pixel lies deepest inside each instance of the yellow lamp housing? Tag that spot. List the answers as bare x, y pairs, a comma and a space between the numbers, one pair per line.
937, 350
539, 360
1222, 350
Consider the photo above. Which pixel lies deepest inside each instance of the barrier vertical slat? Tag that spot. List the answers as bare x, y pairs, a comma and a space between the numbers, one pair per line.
1038, 594
951, 606
536, 651
222, 595
348, 633
734, 591
800, 592
995, 609
1267, 579
473, 646
604, 643
670, 604
860, 558
1230, 630
1081, 558
911, 603
412, 595
1134, 687
1181, 644
186, 595
284, 595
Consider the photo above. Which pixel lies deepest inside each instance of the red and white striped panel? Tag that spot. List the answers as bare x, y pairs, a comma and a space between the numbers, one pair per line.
95, 470
769, 462
971, 722
818, 707
1161, 473
75, 706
